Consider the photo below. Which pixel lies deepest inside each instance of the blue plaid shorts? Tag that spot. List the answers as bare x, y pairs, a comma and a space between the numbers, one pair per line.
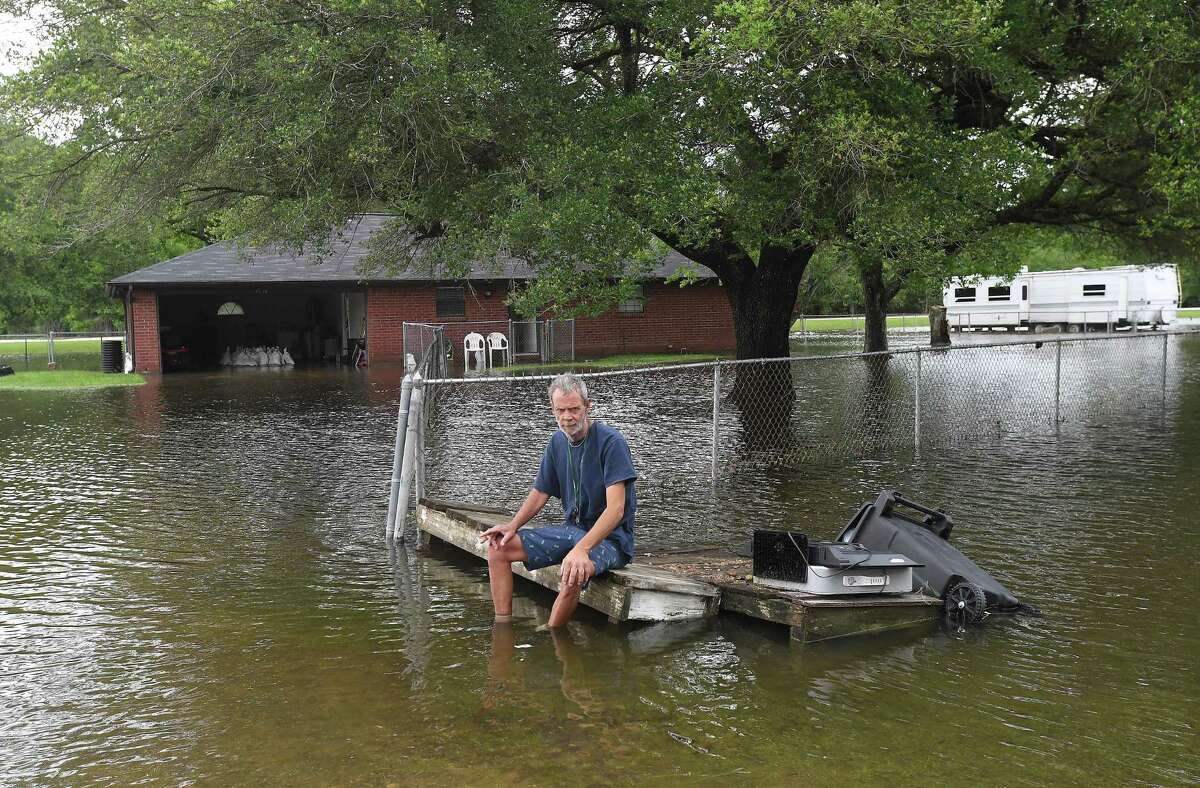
550, 545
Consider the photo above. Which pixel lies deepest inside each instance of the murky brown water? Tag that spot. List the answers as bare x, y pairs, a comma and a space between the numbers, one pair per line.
194, 588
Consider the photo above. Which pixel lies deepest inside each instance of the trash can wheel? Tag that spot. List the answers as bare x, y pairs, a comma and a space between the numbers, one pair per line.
965, 601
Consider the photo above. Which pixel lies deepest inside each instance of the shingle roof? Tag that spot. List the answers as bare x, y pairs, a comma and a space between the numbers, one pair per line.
225, 263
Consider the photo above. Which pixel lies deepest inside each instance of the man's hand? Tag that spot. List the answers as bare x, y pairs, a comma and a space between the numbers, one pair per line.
498, 535
577, 568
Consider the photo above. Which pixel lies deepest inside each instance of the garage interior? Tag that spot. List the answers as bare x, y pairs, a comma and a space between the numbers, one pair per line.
316, 326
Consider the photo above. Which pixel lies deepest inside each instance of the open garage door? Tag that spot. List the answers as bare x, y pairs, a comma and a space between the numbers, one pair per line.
314, 325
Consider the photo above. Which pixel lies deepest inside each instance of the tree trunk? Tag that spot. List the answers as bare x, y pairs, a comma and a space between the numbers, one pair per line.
939, 326
761, 299
875, 305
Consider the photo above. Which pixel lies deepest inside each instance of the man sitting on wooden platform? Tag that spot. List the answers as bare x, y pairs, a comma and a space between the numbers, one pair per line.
586, 465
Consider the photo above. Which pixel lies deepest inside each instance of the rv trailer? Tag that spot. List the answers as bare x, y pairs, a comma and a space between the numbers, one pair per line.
1075, 300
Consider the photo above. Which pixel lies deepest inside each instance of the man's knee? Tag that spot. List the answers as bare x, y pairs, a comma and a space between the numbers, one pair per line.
569, 591
506, 554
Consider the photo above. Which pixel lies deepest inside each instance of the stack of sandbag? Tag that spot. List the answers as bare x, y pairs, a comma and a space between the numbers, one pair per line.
260, 356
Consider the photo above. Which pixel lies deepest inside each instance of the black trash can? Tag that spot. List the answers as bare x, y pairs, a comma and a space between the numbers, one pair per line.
112, 357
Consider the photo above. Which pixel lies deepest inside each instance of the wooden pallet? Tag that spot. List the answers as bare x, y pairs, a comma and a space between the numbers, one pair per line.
809, 618
634, 593
692, 584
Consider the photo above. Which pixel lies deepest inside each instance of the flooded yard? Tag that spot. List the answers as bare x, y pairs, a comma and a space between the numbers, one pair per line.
195, 588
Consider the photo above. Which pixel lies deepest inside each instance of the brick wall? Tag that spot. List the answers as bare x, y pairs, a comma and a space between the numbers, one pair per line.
389, 307
675, 320
147, 345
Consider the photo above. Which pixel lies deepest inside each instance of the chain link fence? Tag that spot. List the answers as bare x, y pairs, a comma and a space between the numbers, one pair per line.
76, 350
428, 347
700, 422
518, 342
559, 344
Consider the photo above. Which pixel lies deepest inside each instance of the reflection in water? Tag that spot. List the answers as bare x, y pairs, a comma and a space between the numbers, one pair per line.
500, 683
195, 588
765, 397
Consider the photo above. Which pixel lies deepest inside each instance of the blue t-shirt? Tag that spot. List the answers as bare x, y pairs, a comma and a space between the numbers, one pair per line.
578, 475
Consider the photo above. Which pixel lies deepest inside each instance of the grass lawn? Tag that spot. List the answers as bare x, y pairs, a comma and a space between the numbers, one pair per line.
624, 361
47, 379
816, 324
1189, 313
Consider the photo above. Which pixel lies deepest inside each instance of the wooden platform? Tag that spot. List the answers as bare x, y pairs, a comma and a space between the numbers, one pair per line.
691, 584
810, 618
635, 593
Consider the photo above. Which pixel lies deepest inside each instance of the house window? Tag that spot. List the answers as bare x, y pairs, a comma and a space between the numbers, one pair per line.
962, 294
1093, 290
635, 304
999, 293
451, 302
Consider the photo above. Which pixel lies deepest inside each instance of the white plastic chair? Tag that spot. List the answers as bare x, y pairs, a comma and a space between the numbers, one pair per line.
497, 341
473, 348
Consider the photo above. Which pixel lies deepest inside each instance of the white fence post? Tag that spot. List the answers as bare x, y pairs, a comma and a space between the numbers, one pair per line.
397, 458
408, 467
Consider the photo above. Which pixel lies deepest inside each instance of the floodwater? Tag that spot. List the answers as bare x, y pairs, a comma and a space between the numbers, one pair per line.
195, 588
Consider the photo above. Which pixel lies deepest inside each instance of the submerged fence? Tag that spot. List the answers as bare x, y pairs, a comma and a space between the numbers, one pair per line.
690, 424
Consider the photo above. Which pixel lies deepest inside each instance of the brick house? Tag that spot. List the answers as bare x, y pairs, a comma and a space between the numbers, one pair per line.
182, 313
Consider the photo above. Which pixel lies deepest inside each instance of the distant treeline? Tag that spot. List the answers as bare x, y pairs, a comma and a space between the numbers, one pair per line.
53, 265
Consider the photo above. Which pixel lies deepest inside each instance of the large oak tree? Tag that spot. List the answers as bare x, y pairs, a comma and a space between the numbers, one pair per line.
588, 136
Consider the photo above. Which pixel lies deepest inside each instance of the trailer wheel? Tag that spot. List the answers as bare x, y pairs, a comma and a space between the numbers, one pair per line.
965, 602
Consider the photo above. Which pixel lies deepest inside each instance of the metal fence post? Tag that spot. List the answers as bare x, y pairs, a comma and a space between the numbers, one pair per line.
419, 453
408, 467
917, 408
1057, 379
716, 412
1164, 375
50, 362
406, 387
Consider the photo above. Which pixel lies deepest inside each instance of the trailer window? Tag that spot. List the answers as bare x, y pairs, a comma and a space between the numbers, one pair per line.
451, 302
999, 293
962, 294
1024, 292
1093, 290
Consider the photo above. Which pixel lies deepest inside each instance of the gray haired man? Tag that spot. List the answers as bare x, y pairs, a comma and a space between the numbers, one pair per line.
587, 466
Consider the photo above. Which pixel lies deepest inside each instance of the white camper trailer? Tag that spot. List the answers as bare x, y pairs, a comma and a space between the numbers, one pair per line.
1075, 300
